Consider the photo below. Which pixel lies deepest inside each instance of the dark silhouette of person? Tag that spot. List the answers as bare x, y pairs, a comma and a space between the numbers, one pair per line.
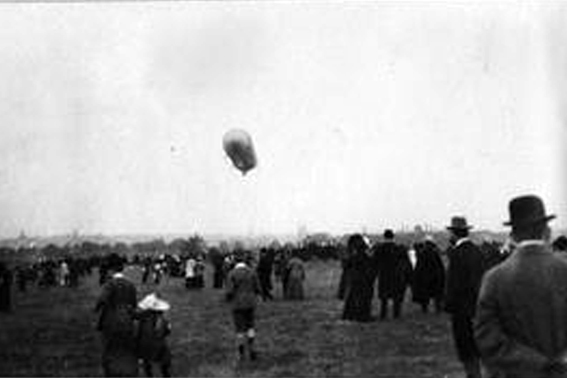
359, 289
6, 280
395, 272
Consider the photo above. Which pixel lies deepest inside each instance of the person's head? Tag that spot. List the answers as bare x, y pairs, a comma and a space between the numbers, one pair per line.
459, 228
389, 235
115, 263
241, 256
528, 219
356, 244
560, 244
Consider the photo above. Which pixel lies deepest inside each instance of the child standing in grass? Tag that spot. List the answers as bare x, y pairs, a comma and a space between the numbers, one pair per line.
153, 329
242, 290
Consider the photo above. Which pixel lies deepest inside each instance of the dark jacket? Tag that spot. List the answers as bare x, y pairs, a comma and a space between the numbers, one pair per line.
242, 287
359, 287
394, 270
153, 328
429, 273
464, 275
117, 304
296, 276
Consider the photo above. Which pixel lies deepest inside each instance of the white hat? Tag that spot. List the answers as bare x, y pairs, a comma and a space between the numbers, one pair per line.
152, 302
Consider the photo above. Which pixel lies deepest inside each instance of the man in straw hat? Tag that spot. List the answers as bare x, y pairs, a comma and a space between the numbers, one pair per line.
464, 275
521, 326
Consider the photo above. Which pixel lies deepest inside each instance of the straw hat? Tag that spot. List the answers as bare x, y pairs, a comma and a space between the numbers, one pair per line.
152, 302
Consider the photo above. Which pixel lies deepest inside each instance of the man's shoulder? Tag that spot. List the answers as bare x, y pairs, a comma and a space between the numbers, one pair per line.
467, 246
120, 282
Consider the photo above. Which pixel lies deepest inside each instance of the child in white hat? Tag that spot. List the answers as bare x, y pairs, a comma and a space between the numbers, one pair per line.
152, 332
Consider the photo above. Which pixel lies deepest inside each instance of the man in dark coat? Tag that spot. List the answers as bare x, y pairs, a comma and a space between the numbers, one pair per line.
117, 305
6, 279
359, 288
464, 275
217, 260
394, 274
264, 271
428, 281
521, 325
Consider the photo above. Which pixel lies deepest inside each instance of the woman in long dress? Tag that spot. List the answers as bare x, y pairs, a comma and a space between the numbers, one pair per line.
360, 285
296, 276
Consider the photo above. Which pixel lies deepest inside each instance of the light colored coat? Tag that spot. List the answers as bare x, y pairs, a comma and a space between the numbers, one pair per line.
521, 318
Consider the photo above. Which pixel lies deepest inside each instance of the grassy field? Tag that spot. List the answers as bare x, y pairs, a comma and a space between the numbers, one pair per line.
51, 333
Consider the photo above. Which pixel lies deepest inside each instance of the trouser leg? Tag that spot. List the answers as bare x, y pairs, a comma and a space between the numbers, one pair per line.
383, 308
250, 341
467, 350
148, 368
166, 369
397, 308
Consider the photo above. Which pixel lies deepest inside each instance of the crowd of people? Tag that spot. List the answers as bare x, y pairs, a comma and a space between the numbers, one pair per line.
507, 302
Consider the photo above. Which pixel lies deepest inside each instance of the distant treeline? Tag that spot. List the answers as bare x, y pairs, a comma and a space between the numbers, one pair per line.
320, 246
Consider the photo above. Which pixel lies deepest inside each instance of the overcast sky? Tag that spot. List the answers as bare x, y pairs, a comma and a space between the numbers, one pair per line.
363, 115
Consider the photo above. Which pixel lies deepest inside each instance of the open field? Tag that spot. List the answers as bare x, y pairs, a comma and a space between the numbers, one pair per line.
51, 333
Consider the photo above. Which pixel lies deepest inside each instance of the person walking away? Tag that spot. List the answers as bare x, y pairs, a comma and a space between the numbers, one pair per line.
116, 306
521, 323
63, 274
217, 260
296, 277
153, 329
280, 268
362, 275
200, 273
464, 275
190, 265
146, 270
6, 280
394, 274
264, 271
344, 279
158, 271
429, 276
242, 290
21, 278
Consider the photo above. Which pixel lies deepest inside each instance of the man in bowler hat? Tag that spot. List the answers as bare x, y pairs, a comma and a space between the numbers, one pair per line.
521, 325
464, 275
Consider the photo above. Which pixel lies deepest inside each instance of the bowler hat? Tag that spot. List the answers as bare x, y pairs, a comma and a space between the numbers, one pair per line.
526, 210
459, 223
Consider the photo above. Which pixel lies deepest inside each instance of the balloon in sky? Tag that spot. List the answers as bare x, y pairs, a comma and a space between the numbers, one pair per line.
238, 146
